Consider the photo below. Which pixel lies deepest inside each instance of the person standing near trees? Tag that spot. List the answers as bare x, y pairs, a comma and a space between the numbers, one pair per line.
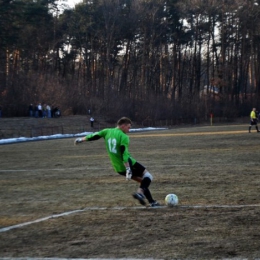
48, 107
40, 110
92, 121
117, 142
31, 110
253, 120
36, 112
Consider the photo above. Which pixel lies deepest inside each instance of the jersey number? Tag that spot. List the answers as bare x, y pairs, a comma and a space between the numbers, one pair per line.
112, 145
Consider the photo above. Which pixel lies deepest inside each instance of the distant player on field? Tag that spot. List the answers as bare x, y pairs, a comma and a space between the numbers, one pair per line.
253, 120
117, 142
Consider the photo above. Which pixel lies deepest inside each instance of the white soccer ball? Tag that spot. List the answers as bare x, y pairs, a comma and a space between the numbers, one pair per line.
171, 200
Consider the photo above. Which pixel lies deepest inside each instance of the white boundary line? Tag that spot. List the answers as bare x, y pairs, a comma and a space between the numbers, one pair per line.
39, 220
118, 208
57, 258
56, 169
102, 168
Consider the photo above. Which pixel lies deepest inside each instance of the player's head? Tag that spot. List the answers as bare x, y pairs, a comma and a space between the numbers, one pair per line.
124, 123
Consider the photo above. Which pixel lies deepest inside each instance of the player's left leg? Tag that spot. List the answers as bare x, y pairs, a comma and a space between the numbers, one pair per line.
146, 181
141, 175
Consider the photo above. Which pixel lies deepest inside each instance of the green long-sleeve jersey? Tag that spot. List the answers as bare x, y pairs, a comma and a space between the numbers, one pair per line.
117, 143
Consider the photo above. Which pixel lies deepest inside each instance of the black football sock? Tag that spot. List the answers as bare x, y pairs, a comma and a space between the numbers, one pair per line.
148, 195
144, 186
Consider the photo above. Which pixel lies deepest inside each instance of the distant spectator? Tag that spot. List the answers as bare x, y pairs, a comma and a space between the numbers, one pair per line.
36, 112
40, 110
48, 111
253, 120
92, 121
56, 112
31, 110
44, 111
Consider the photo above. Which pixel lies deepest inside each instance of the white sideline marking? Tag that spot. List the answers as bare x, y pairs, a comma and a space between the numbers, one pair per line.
55, 169
119, 208
40, 220
102, 168
56, 258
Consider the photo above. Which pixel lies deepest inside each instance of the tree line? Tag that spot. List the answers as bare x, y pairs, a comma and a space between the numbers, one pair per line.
147, 59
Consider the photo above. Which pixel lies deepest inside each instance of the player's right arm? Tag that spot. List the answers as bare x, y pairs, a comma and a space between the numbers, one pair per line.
90, 137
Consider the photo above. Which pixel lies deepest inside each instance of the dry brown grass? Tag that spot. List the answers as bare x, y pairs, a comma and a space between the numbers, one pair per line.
204, 166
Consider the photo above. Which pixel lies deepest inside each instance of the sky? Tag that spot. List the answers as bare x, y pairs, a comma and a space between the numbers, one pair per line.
66, 4
72, 3
60, 136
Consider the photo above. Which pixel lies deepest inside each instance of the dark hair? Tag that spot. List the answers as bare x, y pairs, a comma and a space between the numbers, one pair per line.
124, 120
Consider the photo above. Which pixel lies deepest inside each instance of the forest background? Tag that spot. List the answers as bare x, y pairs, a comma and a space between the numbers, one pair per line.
147, 59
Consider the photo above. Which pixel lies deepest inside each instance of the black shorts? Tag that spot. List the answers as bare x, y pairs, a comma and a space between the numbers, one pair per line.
253, 122
137, 170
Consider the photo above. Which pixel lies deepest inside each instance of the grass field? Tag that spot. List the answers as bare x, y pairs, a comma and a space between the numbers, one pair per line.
214, 170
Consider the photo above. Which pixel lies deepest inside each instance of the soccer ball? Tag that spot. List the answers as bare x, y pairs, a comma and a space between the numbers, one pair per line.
171, 200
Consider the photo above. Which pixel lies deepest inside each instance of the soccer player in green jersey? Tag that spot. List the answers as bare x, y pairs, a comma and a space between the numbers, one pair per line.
117, 142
